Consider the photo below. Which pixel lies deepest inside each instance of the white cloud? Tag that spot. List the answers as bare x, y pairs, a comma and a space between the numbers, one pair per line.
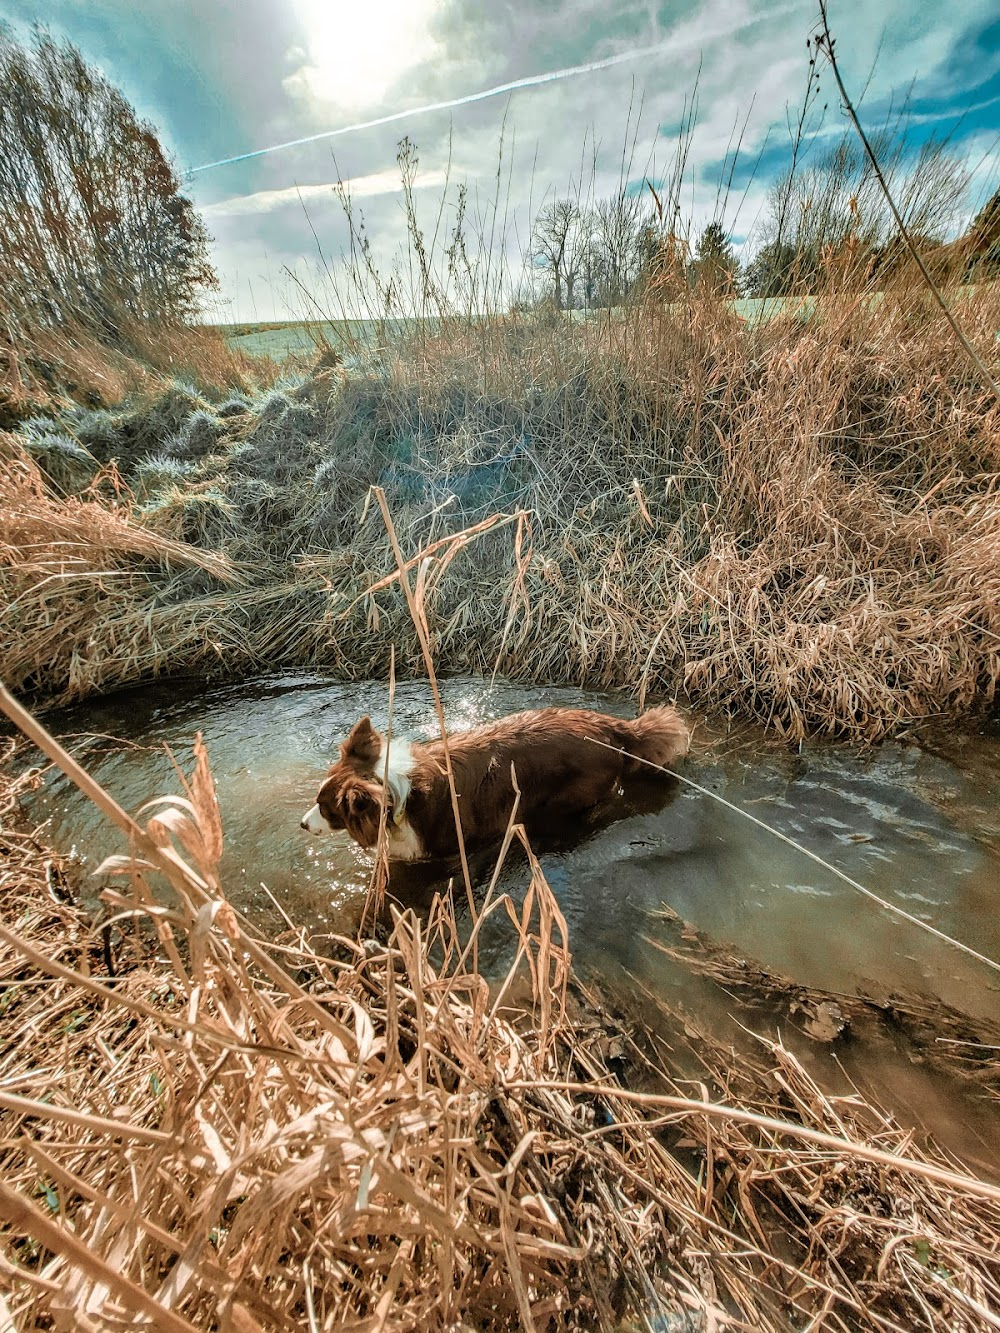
358, 187
569, 133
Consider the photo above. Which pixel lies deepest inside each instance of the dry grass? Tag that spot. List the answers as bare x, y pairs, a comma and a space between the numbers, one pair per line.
61, 366
204, 1129
60, 559
796, 521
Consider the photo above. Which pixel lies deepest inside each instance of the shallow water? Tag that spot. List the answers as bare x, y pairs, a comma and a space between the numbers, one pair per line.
919, 828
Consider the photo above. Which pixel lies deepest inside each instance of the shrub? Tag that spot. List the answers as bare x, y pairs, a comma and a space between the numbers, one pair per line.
203, 517
160, 472
98, 431
150, 426
67, 466
197, 437
254, 498
283, 447
272, 405
234, 406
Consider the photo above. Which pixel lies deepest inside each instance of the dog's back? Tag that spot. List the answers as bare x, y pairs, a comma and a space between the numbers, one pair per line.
564, 762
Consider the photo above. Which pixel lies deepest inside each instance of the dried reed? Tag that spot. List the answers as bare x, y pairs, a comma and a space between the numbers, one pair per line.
201, 1129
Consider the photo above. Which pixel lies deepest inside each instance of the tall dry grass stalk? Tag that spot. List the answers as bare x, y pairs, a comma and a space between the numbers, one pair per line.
206, 1129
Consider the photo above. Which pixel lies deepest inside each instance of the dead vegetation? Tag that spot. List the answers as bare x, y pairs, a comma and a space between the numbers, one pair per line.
65, 370
794, 521
204, 1129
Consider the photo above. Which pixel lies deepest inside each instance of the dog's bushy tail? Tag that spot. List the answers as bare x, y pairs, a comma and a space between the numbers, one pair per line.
660, 736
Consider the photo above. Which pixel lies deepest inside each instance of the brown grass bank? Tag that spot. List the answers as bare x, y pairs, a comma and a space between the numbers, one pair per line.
205, 1129
57, 369
796, 521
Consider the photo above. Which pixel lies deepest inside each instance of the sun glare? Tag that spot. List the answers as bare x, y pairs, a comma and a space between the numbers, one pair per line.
357, 51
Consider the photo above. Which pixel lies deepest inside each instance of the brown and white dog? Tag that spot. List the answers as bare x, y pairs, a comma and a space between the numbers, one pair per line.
560, 772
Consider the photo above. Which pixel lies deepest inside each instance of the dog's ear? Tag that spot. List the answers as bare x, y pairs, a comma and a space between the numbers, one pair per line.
361, 802
363, 743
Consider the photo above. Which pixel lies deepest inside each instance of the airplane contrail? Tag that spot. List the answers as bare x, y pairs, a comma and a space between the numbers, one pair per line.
674, 44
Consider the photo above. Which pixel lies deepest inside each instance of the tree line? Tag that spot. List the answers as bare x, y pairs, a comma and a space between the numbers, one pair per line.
608, 254
818, 221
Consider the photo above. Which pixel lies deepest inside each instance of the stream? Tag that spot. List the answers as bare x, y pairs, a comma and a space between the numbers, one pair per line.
919, 826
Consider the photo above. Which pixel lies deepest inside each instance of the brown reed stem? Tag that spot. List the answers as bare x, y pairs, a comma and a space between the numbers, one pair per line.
420, 625
826, 44
19, 1211
65, 1115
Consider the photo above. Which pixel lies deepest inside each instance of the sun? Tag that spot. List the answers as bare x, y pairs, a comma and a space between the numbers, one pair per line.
357, 50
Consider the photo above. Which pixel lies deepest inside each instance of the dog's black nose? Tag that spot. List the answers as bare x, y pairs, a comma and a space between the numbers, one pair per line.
303, 824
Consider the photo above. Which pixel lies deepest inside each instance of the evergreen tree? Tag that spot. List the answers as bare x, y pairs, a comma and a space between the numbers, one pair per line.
715, 264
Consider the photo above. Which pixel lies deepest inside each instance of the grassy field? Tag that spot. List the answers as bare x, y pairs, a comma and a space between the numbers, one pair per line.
282, 340
286, 339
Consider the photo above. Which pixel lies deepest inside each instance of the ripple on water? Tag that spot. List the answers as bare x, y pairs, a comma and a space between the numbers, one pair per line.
917, 827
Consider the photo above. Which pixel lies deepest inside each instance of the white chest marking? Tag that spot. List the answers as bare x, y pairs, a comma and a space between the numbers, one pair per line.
404, 841
396, 776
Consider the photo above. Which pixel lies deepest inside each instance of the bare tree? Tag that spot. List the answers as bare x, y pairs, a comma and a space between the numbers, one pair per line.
591, 257
560, 240
837, 204
593, 275
619, 227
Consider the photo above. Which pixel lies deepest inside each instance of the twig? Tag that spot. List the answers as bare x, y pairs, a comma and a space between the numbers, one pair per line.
825, 43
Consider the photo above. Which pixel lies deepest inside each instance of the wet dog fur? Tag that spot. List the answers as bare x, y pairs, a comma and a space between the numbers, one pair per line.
561, 774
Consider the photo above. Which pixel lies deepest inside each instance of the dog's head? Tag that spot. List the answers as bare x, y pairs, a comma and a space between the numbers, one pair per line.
351, 797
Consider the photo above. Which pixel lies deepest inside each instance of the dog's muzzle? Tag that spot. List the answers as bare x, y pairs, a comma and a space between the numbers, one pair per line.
313, 821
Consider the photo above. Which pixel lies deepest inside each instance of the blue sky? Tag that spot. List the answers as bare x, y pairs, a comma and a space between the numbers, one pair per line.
223, 77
